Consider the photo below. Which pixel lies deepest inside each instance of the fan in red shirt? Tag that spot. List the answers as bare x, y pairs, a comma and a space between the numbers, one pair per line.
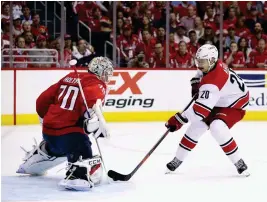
157, 10
173, 23
127, 44
5, 14
66, 124
29, 41
210, 18
182, 8
254, 38
6, 30
231, 20
17, 27
157, 58
84, 9
68, 48
19, 60
146, 25
67, 54
234, 58
193, 45
36, 25
241, 30
147, 45
94, 22
161, 36
245, 6
173, 47
258, 57
183, 59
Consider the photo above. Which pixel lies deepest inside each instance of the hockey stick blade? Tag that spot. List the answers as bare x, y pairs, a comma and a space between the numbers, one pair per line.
117, 176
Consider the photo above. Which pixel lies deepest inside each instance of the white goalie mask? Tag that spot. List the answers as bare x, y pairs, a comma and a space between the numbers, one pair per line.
102, 67
206, 55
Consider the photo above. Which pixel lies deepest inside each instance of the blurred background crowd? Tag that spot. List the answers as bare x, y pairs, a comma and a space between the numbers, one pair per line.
132, 34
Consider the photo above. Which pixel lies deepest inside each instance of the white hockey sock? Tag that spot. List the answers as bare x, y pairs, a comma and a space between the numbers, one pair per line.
222, 135
190, 139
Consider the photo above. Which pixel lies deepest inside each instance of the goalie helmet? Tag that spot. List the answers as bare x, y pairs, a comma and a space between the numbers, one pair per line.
102, 67
206, 52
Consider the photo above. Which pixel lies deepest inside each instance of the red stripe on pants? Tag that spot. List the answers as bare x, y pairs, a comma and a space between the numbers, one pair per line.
230, 147
187, 143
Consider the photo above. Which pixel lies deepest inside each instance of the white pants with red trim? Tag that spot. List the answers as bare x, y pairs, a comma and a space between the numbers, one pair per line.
219, 131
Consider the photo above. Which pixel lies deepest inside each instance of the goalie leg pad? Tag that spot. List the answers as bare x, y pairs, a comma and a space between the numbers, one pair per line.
37, 161
83, 175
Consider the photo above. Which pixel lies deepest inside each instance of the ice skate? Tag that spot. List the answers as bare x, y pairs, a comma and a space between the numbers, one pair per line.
242, 168
83, 175
76, 179
173, 165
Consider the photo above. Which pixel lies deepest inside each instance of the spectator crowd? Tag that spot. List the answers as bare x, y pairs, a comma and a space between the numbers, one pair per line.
141, 33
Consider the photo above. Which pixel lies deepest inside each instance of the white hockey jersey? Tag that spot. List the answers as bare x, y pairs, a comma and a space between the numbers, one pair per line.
221, 87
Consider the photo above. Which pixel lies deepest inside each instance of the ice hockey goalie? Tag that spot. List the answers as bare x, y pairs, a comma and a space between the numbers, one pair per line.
66, 125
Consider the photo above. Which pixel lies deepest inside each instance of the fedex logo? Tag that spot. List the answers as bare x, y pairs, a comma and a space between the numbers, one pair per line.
129, 82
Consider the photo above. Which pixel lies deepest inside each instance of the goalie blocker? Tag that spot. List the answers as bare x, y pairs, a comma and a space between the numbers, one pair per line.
66, 125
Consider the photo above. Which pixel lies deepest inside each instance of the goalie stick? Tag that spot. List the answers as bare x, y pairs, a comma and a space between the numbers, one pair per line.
96, 108
121, 177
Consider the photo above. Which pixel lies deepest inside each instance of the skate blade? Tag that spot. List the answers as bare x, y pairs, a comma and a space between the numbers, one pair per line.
245, 174
167, 172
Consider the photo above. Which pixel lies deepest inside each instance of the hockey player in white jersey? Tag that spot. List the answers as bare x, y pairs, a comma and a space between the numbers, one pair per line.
220, 100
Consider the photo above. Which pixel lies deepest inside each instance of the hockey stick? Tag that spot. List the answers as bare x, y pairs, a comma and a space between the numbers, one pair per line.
117, 176
96, 109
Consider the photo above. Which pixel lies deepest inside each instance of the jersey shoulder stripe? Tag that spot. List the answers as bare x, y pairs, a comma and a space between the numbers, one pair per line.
217, 76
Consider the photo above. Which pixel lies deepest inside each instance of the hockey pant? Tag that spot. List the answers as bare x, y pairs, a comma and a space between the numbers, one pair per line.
72, 145
219, 121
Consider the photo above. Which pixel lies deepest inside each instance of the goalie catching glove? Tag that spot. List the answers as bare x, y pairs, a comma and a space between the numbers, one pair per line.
176, 122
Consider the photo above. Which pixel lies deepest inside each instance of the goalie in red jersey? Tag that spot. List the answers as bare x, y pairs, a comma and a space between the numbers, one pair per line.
220, 100
66, 124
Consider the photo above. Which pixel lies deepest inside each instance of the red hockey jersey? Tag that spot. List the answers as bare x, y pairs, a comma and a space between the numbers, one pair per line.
62, 107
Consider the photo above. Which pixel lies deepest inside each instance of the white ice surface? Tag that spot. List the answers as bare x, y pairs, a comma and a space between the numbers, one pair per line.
206, 175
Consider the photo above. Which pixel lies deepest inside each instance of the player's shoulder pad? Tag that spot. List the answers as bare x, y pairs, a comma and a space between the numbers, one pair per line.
69, 79
209, 87
90, 80
218, 76
95, 85
71, 74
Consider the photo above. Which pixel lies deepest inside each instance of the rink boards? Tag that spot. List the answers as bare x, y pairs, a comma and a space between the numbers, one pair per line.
135, 95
